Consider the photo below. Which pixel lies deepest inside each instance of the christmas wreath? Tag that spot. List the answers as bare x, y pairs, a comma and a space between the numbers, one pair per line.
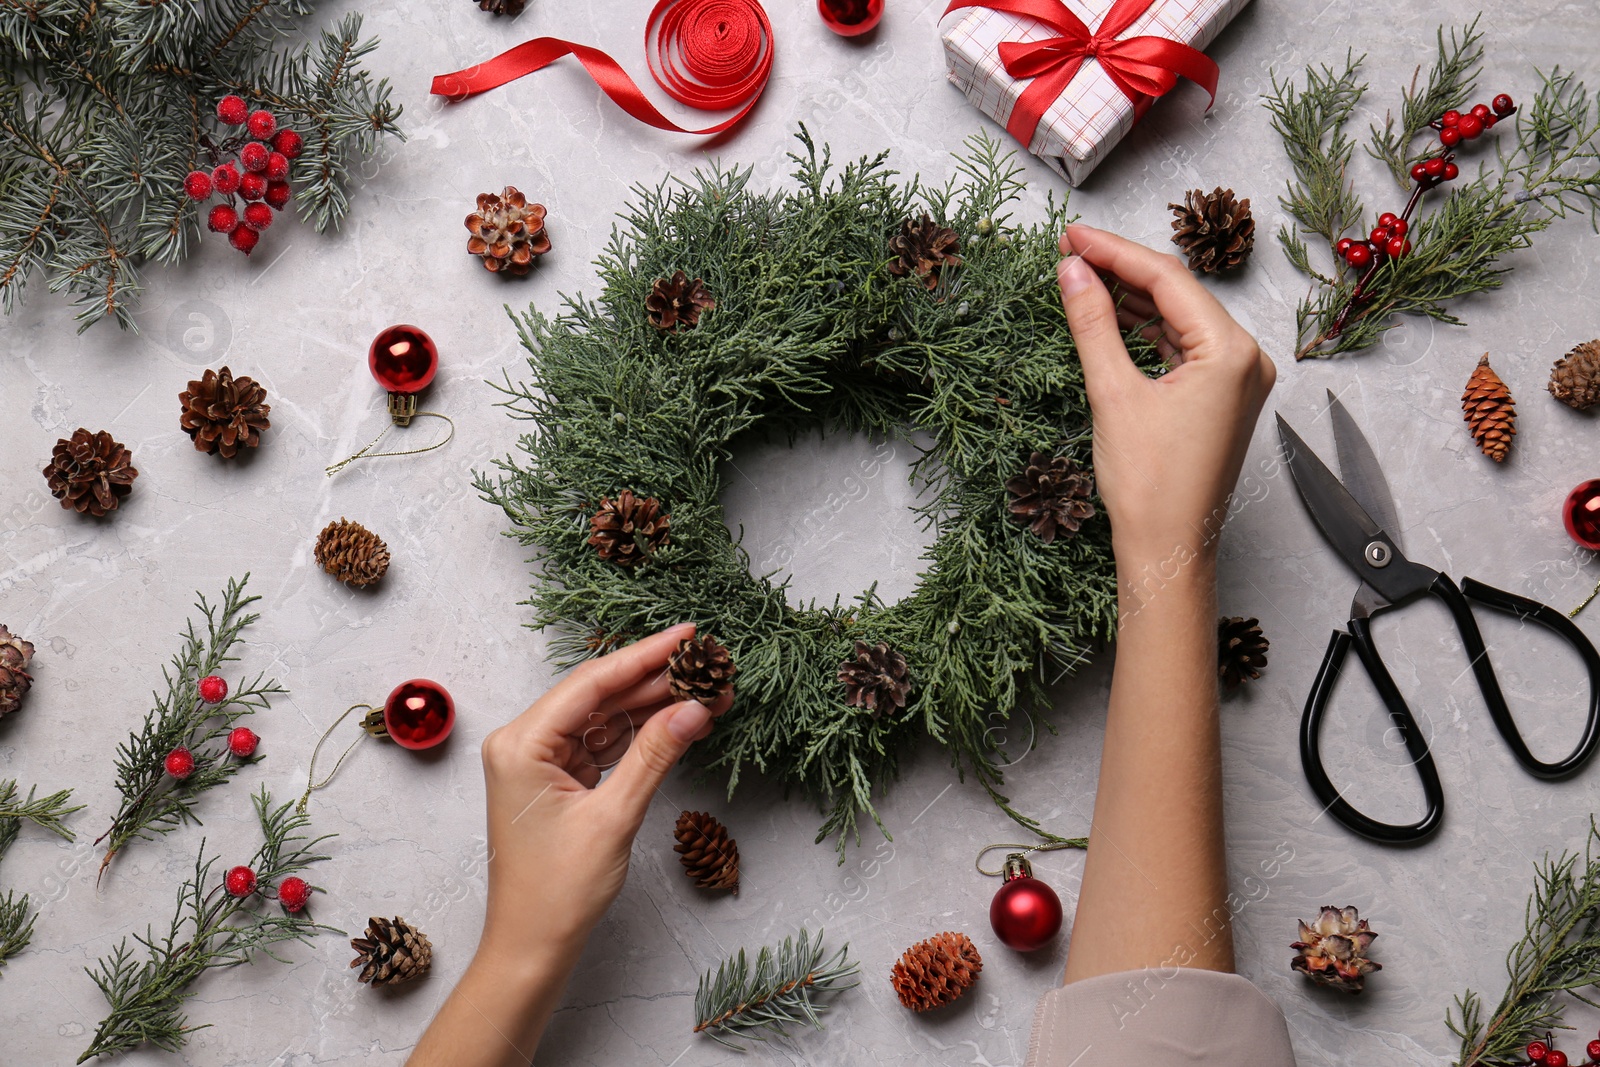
860, 304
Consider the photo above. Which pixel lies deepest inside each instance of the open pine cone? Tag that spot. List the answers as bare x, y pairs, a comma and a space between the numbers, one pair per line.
1051, 496
1216, 230
875, 678
708, 854
224, 414
15, 681
392, 952
630, 529
700, 670
1575, 379
352, 553
90, 473
1333, 949
507, 231
678, 301
922, 250
1241, 650
935, 972
1489, 410
502, 7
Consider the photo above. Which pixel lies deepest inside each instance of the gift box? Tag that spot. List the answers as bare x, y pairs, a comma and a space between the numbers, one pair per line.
1108, 69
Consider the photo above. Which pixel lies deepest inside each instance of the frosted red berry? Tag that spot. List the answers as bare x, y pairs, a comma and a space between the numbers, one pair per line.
1470, 126
213, 689
1537, 1050
232, 110
1450, 136
179, 763
197, 185
1358, 255
226, 178
257, 216
289, 143
262, 125
277, 167
222, 219
1555, 1058
244, 238
252, 186
293, 893
277, 194
240, 880
1503, 105
254, 156
242, 742
1450, 172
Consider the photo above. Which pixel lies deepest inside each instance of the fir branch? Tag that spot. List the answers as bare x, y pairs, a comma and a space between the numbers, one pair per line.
146, 983
782, 990
1311, 122
152, 802
46, 812
1451, 80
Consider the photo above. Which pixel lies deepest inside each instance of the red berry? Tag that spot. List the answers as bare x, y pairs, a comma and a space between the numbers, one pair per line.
1471, 126
254, 156
1556, 1058
226, 179
1450, 118
293, 893
232, 110
1397, 247
277, 194
241, 881
1434, 166
242, 742
197, 185
1489, 121
1388, 219
222, 219
213, 689
1399, 227
1418, 172
1379, 236
180, 763
1503, 105
1450, 136
289, 143
252, 186
1481, 111
1537, 1050
1359, 255
257, 216
277, 167
1450, 172
262, 125
1594, 1046
1342, 247
243, 238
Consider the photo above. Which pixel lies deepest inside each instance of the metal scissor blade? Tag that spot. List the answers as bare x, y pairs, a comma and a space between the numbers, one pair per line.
1359, 470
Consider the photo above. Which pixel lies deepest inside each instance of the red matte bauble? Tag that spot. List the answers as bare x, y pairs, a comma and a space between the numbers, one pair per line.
419, 714
1582, 514
850, 18
403, 359
1025, 913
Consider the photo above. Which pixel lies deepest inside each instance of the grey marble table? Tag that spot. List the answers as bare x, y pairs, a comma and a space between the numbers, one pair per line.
103, 600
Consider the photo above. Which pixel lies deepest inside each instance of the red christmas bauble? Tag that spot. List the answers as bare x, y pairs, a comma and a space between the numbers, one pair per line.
1582, 514
1025, 913
419, 714
403, 359
850, 18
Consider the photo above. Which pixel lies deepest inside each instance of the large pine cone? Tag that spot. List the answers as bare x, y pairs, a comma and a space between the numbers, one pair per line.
875, 678
1333, 949
922, 250
1575, 379
507, 231
223, 413
937, 971
700, 670
678, 301
1490, 413
708, 854
1216, 230
352, 553
90, 473
630, 529
15, 681
1241, 650
1052, 495
392, 952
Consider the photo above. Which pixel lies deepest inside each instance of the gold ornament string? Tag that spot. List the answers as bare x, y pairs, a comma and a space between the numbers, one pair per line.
1573, 614
368, 453
312, 785
1051, 844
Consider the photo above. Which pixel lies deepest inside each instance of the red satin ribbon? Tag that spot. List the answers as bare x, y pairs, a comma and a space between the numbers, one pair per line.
1142, 67
707, 54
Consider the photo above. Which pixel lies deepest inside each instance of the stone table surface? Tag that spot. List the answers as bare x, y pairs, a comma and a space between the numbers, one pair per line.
103, 600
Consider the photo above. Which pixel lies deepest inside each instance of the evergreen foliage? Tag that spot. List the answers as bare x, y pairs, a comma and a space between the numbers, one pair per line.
16, 913
810, 329
782, 990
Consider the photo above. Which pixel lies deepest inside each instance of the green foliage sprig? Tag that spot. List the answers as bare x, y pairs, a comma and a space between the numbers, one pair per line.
146, 983
16, 913
1451, 80
782, 990
152, 802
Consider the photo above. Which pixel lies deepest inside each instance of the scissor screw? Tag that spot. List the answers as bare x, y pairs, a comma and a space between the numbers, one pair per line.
1378, 554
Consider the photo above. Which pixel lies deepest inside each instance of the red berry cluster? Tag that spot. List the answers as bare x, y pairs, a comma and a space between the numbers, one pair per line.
1386, 241
1541, 1053
1455, 127
293, 892
259, 175
242, 740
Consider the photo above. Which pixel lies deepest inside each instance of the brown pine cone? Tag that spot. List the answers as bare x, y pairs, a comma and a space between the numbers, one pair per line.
935, 972
1051, 495
922, 250
1575, 379
1489, 410
1333, 950
15, 681
1241, 650
630, 529
1216, 231
392, 952
507, 231
875, 678
502, 7
700, 670
352, 553
90, 473
678, 301
223, 413
709, 856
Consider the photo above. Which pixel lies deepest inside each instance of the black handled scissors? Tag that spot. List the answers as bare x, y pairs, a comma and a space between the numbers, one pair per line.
1357, 516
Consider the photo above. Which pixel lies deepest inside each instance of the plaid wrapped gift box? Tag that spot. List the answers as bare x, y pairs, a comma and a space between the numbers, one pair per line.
1087, 120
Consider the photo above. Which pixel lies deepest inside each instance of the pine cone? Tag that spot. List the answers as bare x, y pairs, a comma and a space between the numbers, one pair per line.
922, 249
1241, 650
678, 300
707, 853
223, 413
1575, 379
507, 231
875, 679
90, 473
700, 670
502, 7
935, 972
630, 529
392, 952
15, 681
352, 553
1490, 412
1051, 495
1333, 950
1216, 230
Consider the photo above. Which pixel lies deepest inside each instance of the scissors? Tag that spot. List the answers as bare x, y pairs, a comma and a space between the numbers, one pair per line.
1357, 516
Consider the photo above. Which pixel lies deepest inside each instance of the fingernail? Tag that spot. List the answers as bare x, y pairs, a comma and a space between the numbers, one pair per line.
1075, 275
688, 719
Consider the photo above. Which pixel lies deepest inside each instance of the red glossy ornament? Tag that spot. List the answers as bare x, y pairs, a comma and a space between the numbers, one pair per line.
419, 714
1025, 913
1582, 514
850, 18
404, 360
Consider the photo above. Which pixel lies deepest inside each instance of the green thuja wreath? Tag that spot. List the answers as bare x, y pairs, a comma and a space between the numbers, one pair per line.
810, 329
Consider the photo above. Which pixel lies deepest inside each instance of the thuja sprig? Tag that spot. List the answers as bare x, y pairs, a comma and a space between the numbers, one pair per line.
1451, 80
16, 913
1311, 122
780, 991
16, 925
153, 802
146, 982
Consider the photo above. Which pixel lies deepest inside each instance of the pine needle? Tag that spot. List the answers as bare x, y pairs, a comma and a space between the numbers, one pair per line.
781, 990
16, 915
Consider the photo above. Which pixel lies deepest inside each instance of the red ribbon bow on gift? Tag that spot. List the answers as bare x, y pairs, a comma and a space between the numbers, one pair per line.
1139, 66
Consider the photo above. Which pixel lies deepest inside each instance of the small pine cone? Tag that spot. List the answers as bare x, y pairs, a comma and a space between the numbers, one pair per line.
15, 681
507, 231
708, 854
392, 952
922, 250
502, 7
1575, 379
1216, 231
630, 529
875, 678
678, 301
1333, 950
1241, 650
936, 972
1051, 495
224, 414
1489, 410
352, 553
700, 670
90, 473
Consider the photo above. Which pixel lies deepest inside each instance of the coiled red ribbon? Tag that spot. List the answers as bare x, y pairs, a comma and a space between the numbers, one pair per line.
707, 54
